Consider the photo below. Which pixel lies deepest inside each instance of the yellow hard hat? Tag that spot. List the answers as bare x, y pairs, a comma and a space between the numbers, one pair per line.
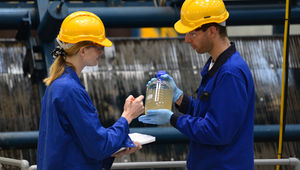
195, 13
83, 26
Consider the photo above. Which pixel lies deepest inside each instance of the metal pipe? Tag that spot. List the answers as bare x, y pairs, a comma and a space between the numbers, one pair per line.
295, 162
164, 135
264, 133
284, 81
176, 164
136, 17
170, 164
23, 164
291, 161
11, 140
33, 167
145, 165
10, 18
50, 25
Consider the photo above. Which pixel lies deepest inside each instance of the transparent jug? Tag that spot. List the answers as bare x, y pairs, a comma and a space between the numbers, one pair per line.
159, 94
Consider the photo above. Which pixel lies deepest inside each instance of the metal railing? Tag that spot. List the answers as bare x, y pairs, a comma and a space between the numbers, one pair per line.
178, 164
33, 167
24, 165
290, 161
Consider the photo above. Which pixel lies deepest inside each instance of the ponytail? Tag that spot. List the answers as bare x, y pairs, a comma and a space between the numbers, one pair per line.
58, 66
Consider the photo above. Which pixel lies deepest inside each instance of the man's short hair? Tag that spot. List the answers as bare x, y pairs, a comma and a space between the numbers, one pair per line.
221, 29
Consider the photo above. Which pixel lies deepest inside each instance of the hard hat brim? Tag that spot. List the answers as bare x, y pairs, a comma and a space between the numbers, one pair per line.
182, 29
106, 42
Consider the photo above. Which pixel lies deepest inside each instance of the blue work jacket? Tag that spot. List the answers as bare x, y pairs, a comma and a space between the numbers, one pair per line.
70, 134
220, 123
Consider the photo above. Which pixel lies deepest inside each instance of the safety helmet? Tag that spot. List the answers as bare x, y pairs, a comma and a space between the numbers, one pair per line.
83, 26
195, 13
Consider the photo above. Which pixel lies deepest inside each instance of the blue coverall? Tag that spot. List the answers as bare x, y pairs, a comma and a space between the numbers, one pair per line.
220, 122
70, 134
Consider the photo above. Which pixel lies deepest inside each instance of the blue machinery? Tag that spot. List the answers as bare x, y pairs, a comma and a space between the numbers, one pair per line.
46, 17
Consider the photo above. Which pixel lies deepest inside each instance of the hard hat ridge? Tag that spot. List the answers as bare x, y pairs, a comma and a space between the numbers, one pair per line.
195, 13
83, 26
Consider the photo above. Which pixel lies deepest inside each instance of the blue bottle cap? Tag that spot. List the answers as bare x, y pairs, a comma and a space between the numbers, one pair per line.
159, 73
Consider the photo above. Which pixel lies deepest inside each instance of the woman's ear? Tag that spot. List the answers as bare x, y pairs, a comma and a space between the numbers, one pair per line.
82, 51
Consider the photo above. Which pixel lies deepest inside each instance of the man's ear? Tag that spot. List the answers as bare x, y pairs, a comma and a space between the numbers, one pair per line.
213, 31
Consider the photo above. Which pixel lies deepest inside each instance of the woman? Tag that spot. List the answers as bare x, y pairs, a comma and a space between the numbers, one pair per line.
71, 135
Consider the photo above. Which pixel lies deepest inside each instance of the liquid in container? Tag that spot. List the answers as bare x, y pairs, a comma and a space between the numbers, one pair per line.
159, 94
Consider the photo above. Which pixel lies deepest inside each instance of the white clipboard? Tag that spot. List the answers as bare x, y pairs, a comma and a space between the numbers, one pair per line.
142, 138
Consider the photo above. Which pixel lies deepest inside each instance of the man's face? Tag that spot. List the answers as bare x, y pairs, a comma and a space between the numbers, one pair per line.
199, 41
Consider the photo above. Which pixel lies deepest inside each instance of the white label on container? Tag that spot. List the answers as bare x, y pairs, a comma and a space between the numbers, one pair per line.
149, 96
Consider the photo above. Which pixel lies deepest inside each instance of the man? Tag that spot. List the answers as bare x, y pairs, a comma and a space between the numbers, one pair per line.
220, 122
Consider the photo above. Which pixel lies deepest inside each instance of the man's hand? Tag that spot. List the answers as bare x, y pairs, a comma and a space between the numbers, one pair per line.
176, 91
158, 117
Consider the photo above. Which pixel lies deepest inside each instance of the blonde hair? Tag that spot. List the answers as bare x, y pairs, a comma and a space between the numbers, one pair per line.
58, 66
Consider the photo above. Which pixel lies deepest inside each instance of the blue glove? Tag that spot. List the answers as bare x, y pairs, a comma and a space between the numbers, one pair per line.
149, 82
176, 91
158, 117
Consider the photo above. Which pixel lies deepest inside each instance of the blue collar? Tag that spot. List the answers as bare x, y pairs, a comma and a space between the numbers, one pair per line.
221, 59
71, 71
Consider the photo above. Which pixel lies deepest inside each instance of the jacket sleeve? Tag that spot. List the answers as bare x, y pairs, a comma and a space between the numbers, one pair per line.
224, 116
107, 163
187, 105
83, 123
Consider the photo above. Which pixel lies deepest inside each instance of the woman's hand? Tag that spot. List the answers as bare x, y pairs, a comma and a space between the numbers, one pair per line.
127, 151
133, 108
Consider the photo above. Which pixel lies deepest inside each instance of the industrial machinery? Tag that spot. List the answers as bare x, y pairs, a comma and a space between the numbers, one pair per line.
132, 61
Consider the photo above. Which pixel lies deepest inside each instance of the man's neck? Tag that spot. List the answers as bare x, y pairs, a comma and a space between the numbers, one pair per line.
219, 47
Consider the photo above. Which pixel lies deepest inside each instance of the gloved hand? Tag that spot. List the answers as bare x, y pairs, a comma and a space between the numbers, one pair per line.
159, 117
149, 82
176, 91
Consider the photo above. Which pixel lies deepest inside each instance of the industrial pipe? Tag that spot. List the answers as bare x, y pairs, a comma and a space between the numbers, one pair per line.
12, 140
23, 164
176, 164
164, 135
284, 81
50, 25
10, 18
137, 17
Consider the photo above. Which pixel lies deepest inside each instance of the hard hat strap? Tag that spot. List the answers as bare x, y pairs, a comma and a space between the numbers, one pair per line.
64, 45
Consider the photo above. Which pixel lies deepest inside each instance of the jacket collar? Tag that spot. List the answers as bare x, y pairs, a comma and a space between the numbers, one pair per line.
71, 71
221, 59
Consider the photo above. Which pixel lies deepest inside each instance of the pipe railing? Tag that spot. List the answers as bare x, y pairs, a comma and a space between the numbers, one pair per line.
291, 161
171, 164
179, 164
23, 164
